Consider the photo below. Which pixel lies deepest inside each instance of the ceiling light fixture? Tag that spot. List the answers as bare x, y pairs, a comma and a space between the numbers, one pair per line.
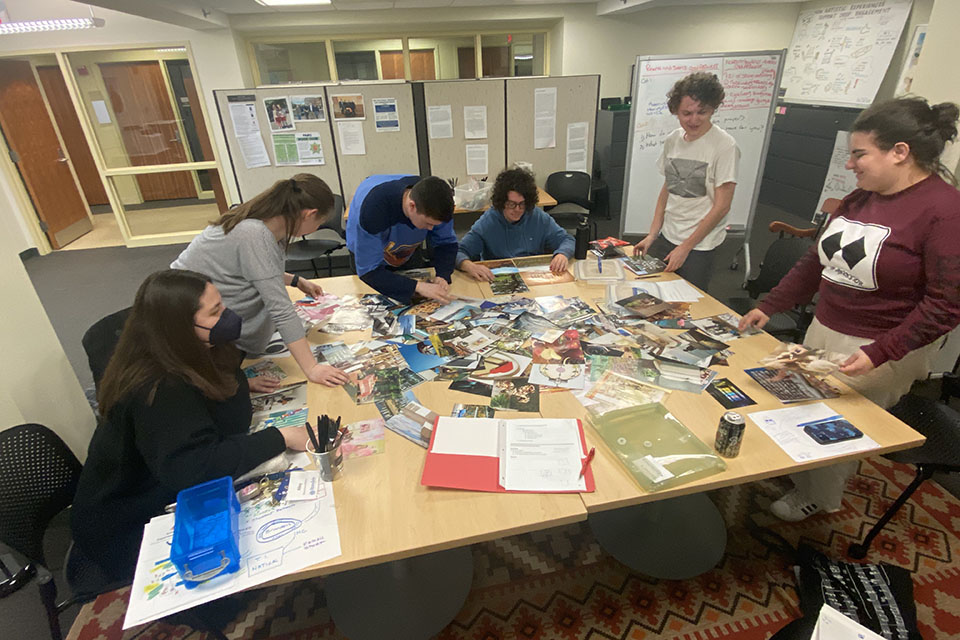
523, 56
56, 24
291, 3
172, 50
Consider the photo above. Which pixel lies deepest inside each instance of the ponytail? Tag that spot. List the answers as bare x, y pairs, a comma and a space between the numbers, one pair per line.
286, 198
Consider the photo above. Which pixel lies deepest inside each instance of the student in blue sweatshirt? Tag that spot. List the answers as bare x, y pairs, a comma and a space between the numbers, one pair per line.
513, 226
390, 216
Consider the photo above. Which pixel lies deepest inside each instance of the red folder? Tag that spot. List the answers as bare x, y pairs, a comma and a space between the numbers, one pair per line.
480, 473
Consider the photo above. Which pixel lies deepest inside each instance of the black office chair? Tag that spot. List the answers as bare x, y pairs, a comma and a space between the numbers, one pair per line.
571, 190
38, 477
100, 340
310, 249
940, 453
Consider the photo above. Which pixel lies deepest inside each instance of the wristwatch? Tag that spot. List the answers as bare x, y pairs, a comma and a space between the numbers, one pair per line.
294, 280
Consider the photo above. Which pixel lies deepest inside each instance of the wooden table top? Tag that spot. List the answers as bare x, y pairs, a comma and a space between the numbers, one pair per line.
384, 513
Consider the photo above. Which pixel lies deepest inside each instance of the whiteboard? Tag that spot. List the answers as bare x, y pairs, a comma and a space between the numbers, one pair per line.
840, 181
750, 81
840, 54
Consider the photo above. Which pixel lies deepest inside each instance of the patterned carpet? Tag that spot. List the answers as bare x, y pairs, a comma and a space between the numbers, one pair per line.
559, 585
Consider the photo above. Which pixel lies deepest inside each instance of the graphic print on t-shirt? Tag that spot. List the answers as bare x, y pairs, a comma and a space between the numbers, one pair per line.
849, 251
686, 178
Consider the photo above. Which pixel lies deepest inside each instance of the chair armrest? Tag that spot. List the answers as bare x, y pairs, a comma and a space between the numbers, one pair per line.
782, 227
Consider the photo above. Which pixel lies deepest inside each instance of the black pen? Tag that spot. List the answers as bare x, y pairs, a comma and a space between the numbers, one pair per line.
313, 438
322, 427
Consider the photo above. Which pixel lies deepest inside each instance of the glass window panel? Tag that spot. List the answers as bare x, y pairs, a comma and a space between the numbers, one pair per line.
453, 57
143, 106
513, 54
171, 216
286, 62
369, 59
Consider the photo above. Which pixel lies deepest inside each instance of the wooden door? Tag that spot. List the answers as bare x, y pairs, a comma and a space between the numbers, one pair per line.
496, 62
466, 62
148, 127
391, 65
69, 124
204, 138
41, 162
422, 65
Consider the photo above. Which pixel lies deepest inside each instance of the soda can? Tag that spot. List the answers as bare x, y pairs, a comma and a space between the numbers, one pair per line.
729, 434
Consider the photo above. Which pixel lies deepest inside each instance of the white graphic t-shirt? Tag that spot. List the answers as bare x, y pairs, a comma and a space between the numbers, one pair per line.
849, 250
692, 171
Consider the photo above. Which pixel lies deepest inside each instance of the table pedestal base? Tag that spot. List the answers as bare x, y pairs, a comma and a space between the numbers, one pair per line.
411, 599
672, 539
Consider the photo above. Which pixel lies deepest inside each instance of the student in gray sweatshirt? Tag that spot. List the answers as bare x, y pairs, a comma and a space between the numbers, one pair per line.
244, 254
513, 226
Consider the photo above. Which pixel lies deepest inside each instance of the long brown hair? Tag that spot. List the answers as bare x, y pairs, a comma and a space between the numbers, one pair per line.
925, 128
286, 198
159, 341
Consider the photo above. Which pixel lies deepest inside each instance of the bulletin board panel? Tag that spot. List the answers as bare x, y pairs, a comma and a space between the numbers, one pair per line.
448, 157
250, 182
386, 151
577, 101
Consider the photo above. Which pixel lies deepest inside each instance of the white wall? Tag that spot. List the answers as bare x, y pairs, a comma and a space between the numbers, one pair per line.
215, 52
37, 383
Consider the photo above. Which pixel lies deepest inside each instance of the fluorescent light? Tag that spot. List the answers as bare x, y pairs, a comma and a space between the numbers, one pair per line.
523, 56
290, 3
172, 50
57, 24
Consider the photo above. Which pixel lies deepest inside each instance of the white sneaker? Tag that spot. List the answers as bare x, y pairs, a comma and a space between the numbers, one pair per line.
793, 507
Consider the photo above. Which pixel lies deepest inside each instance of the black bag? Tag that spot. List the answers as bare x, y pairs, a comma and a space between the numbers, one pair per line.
878, 596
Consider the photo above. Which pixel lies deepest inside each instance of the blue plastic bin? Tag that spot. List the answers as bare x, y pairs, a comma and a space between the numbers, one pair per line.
206, 535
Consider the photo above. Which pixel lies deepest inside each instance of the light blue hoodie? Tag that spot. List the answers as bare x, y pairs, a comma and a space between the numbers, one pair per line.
493, 237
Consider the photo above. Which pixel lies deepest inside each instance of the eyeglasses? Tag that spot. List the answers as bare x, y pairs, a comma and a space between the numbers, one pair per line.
510, 204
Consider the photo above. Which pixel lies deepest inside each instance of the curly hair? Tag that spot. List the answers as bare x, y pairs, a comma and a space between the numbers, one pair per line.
519, 180
703, 87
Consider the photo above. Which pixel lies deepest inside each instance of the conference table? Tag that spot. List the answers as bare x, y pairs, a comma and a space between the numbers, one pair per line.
405, 547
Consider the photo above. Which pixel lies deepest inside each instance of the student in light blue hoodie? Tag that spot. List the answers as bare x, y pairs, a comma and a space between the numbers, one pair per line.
513, 226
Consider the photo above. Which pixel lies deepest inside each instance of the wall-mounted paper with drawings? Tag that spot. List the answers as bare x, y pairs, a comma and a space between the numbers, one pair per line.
839, 54
840, 181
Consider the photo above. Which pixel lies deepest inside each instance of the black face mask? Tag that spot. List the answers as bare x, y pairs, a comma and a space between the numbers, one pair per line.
227, 328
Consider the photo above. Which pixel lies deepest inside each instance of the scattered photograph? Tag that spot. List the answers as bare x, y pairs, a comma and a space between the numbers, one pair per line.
517, 394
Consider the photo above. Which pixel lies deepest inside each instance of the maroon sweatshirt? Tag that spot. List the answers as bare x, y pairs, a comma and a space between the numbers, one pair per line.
887, 268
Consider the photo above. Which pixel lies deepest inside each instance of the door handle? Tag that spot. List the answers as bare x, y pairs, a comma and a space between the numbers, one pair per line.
60, 155
61, 159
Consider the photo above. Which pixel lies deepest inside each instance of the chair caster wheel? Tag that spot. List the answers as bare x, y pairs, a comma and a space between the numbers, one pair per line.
734, 265
857, 551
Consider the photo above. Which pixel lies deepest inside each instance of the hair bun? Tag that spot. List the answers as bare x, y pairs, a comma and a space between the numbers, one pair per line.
945, 116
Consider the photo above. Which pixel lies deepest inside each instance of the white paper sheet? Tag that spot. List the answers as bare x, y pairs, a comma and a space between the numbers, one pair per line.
274, 541
309, 148
781, 426
545, 118
475, 122
440, 121
100, 109
477, 160
669, 290
351, 138
253, 150
244, 118
467, 436
833, 625
541, 455
577, 146
385, 114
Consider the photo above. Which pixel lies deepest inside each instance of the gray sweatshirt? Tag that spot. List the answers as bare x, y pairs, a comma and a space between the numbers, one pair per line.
246, 265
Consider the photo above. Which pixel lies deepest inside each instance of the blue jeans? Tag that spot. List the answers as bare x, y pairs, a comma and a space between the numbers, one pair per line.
696, 269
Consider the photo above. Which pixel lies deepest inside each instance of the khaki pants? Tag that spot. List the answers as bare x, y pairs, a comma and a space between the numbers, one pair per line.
885, 385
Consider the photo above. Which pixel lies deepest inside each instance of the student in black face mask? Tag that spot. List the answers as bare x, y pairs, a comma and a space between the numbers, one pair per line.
176, 411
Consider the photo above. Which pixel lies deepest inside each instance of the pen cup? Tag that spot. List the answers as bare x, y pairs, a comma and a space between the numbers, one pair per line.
328, 463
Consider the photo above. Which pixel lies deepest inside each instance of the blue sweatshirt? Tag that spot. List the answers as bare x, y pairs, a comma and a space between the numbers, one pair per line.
492, 237
379, 235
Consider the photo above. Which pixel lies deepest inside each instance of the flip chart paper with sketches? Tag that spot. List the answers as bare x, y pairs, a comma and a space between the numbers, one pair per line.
274, 541
839, 54
840, 181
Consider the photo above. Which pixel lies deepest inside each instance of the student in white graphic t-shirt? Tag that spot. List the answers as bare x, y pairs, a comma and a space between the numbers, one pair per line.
699, 165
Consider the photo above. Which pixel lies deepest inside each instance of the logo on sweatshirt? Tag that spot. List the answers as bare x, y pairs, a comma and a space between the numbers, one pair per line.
849, 251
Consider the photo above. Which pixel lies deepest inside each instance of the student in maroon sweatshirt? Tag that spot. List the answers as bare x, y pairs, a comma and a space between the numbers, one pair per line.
886, 267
